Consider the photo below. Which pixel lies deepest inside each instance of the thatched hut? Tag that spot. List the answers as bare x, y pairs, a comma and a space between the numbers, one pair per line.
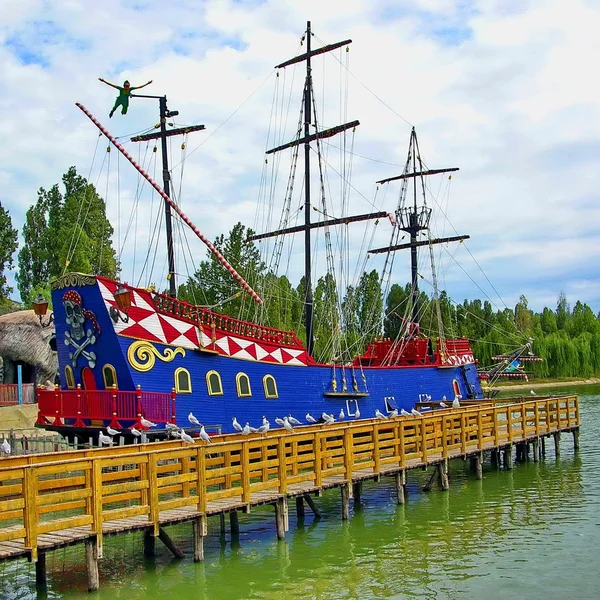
23, 341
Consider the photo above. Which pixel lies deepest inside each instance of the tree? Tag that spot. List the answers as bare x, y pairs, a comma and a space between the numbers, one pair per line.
563, 311
523, 316
8, 245
69, 231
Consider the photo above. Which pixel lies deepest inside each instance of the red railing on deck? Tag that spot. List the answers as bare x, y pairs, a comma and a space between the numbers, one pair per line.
85, 408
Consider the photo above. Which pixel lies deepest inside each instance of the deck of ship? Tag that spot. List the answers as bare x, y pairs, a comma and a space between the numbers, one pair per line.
48, 501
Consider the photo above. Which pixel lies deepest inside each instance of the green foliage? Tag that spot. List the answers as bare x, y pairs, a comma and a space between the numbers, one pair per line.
8, 245
65, 231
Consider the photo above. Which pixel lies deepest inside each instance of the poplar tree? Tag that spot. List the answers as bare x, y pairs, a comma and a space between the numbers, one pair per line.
8, 245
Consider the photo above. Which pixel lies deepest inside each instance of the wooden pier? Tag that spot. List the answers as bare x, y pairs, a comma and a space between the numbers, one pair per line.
48, 501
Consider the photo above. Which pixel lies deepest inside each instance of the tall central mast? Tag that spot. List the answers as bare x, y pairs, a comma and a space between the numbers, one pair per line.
306, 140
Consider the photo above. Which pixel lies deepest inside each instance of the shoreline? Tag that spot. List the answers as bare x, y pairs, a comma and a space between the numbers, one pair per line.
547, 384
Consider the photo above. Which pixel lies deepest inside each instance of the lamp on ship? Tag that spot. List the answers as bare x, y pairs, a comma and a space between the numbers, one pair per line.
123, 299
40, 308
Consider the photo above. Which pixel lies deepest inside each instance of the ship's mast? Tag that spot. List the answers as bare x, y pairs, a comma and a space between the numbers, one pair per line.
415, 219
163, 134
306, 141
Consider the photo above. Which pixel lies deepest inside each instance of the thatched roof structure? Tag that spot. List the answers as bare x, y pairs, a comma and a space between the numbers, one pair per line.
22, 338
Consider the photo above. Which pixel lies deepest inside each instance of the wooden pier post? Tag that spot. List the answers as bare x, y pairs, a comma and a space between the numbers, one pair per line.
345, 493
300, 507
508, 458
149, 543
40, 570
312, 505
170, 544
536, 450
479, 466
234, 523
356, 491
281, 517
432, 479
543, 450
576, 439
400, 481
443, 474
200, 532
556, 443
91, 563
222, 522
494, 462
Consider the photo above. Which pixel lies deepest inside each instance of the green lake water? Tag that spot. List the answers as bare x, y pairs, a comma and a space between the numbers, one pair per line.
533, 532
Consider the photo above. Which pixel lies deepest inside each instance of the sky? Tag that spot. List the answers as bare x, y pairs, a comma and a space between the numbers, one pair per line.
505, 90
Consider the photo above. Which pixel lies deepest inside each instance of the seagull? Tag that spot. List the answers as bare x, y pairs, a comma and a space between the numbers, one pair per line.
532, 393
444, 398
287, 425
171, 427
415, 413
104, 439
456, 403
342, 415
253, 429
357, 413
192, 419
404, 413
329, 421
203, 435
135, 432
175, 433
5, 447
379, 414
246, 429
310, 418
265, 422
187, 438
237, 426
264, 427
280, 422
393, 413
326, 417
112, 431
146, 423
293, 420
443, 405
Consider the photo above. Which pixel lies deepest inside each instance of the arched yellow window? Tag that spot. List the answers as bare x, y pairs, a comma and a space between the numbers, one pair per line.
213, 383
69, 377
110, 377
270, 386
243, 385
183, 383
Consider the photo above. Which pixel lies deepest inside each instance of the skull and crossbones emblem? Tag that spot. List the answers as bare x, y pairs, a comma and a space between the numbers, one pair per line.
76, 316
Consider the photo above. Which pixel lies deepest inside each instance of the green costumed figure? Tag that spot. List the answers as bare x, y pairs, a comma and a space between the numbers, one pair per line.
124, 93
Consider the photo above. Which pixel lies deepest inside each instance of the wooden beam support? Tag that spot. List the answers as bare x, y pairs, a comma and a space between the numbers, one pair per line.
508, 458
312, 505
442, 469
200, 532
433, 478
149, 543
40, 570
345, 494
176, 551
280, 517
495, 463
556, 443
479, 466
91, 563
576, 439
300, 507
536, 450
356, 491
400, 484
234, 523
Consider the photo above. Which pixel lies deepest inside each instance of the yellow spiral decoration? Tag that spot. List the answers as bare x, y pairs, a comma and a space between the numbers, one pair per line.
142, 355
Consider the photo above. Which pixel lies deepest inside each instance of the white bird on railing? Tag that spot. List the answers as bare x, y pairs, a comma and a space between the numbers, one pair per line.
310, 418
175, 433
327, 417
237, 426
171, 427
253, 429
246, 429
342, 415
5, 447
203, 435
393, 413
415, 413
443, 405
532, 393
188, 439
444, 398
357, 413
264, 421
280, 422
264, 427
147, 423
293, 420
104, 439
112, 431
135, 432
287, 425
404, 413
456, 402
379, 414
192, 419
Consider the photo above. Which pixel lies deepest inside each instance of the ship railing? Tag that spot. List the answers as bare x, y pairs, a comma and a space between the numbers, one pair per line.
117, 408
9, 394
209, 319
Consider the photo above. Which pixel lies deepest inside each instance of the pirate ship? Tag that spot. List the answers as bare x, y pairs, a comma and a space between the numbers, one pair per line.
129, 354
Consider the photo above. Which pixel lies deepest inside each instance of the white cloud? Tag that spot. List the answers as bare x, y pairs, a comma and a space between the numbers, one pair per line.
504, 90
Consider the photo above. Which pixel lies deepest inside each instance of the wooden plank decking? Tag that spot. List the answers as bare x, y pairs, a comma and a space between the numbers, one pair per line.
56, 500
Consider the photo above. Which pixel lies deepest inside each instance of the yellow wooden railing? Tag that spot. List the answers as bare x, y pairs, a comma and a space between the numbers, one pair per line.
95, 487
